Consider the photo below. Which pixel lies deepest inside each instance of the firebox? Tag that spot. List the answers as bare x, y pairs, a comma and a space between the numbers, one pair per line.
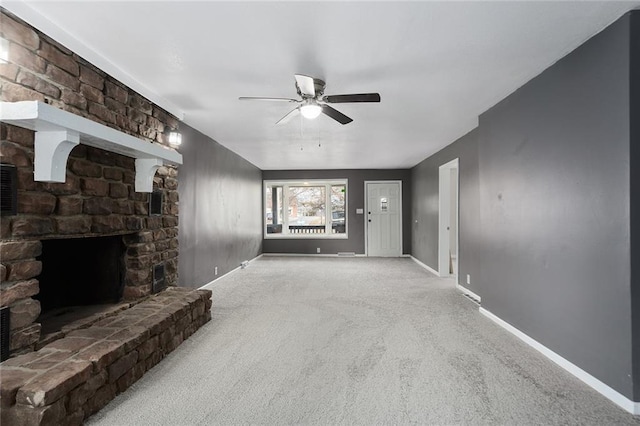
79, 272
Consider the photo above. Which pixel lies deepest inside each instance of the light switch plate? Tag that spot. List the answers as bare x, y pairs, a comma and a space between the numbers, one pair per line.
359, 211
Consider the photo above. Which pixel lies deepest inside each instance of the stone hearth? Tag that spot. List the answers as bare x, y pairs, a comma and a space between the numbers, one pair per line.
73, 377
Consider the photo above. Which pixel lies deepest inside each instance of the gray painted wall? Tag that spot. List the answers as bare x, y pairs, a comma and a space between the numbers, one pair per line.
220, 209
635, 195
554, 208
547, 207
424, 187
355, 222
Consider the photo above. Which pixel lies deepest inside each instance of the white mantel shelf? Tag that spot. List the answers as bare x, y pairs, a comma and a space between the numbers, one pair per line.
58, 132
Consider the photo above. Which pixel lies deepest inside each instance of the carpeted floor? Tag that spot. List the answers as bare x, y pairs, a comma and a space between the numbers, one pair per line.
353, 341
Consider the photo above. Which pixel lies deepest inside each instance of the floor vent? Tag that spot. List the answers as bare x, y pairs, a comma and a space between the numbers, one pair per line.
155, 203
346, 254
473, 299
8, 189
159, 282
5, 335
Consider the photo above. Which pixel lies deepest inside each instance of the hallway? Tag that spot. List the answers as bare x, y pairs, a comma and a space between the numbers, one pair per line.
303, 340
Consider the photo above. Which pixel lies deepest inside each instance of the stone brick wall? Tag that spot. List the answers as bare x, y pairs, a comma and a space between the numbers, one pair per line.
40, 69
97, 198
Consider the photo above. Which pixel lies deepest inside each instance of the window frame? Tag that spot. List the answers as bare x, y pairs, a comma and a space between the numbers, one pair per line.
285, 184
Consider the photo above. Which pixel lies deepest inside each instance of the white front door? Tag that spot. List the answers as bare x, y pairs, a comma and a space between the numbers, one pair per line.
384, 219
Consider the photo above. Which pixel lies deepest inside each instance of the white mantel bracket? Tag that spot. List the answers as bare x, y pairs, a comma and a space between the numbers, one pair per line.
58, 132
145, 171
52, 149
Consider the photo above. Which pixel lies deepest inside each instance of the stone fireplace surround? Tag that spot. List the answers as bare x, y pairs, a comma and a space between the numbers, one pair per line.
97, 199
78, 369
65, 377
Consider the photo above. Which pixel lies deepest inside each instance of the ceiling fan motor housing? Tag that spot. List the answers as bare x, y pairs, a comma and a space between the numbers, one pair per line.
318, 85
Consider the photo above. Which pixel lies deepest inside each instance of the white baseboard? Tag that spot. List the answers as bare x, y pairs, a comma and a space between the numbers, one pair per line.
469, 293
211, 284
425, 266
605, 390
311, 255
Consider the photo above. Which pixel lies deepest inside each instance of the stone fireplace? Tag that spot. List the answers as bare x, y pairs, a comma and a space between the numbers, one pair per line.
84, 262
99, 199
87, 241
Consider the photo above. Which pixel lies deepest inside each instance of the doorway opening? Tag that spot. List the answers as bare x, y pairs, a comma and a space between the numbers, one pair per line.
448, 220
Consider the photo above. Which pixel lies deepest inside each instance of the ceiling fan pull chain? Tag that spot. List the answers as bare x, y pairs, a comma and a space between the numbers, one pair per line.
301, 130
301, 134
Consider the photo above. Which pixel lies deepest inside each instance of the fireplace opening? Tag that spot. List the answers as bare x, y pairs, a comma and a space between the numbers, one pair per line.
80, 277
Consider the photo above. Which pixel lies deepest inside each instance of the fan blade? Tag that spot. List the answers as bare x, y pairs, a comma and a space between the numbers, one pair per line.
362, 97
251, 98
305, 84
336, 115
289, 116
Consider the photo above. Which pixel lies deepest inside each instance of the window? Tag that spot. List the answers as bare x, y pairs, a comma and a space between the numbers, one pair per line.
305, 209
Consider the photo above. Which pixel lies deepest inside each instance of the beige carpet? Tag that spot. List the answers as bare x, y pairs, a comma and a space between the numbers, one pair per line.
353, 341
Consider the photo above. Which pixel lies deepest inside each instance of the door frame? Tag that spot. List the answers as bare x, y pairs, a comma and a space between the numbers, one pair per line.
366, 215
444, 212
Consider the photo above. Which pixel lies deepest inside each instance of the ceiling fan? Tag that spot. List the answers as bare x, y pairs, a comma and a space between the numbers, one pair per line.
314, 102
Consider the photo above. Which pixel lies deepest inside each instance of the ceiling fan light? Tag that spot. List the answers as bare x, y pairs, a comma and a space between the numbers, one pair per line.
310, 111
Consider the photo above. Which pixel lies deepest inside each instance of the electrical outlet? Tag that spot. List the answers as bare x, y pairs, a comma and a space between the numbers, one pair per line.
318, 250
215, 270
468, 279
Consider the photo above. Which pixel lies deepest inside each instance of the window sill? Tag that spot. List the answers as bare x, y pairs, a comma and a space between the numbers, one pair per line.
305, 237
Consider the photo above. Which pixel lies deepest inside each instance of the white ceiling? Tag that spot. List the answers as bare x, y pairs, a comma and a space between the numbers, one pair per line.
436, 65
